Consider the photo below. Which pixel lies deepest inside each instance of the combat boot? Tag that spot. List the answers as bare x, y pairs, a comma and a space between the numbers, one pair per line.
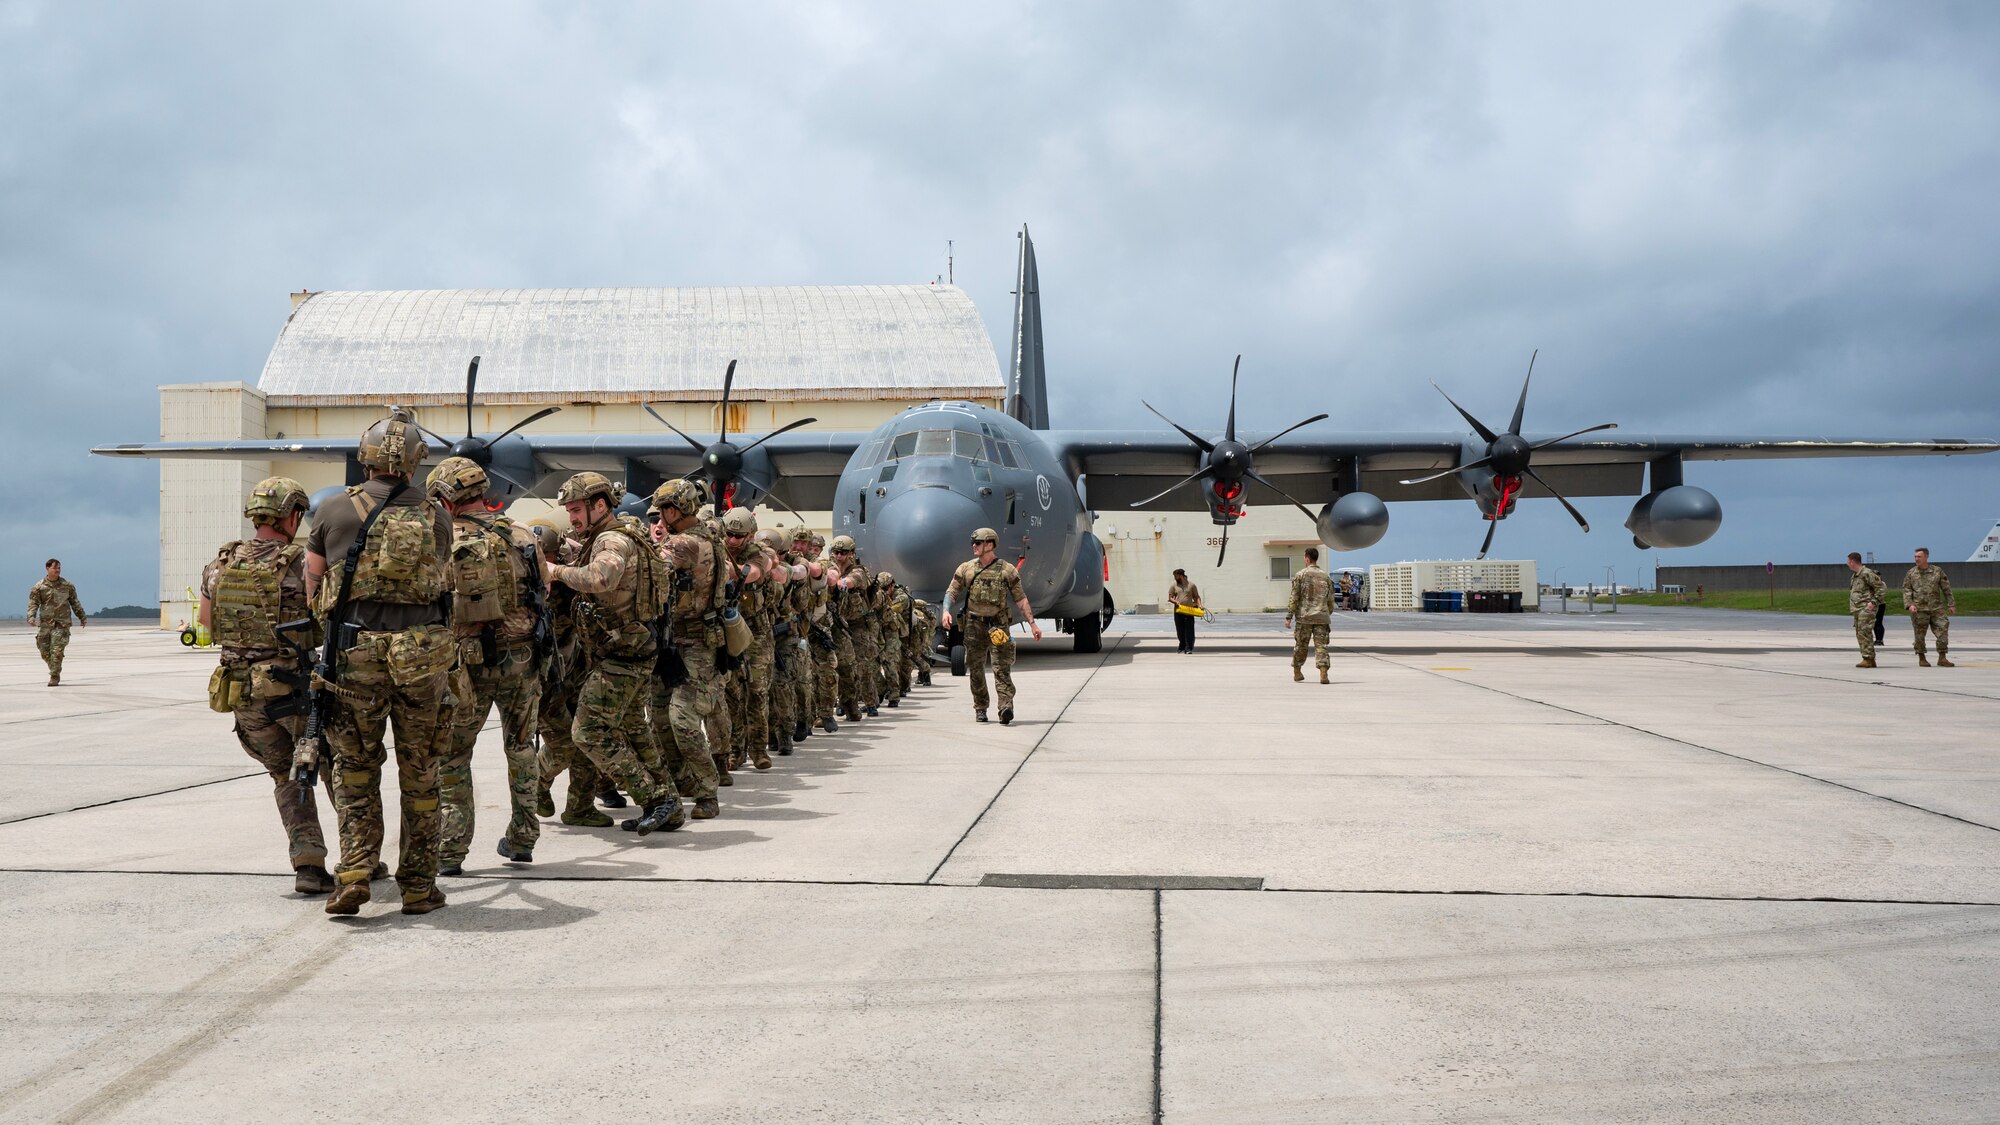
1298, 674
452, 869
348, 898
705, 808
1322, 676
311, 879
1006, 716
611, 798
1868, 663
1945, 661
380, 872
722, 770
425, 904
851, 713
1923, 661
761, 759
586, 819
827, 724
801, 731
666, 814
891, 702
979, 716
513, 852
870, 711
545, 801
54, 680
924, 679
784, 744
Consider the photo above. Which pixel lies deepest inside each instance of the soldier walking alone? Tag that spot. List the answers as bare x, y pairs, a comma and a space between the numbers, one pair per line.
1866, 592
989, 586
1185, 597
49, 604
1310, 615
1927, 595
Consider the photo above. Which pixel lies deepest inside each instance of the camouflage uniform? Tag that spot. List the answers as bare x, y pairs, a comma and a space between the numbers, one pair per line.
680, 716
619, 651
49, 606
826, 646
499, 658
1927, 595
394, 673
990, 592
251, 653
895, 619
860, 663
750, 697
786, 633
1866, 595
916, 653
1311, 611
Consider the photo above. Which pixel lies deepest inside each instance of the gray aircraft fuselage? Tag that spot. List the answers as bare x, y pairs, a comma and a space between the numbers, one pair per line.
923, 481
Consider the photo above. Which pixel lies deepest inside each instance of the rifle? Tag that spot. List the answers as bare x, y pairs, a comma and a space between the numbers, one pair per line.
340, 634
547, 659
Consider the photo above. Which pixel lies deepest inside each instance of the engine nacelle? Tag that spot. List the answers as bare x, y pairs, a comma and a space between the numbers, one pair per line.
1681, 516
1355, 521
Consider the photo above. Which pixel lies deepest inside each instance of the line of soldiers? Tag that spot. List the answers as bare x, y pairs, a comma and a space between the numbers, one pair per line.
1927, 598
650, 658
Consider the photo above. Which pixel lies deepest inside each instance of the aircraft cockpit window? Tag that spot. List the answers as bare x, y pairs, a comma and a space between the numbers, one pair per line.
932, 441
967, 445
1007, 455
902, 445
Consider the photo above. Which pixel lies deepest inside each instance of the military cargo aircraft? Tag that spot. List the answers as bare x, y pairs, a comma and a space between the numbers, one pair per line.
911, 491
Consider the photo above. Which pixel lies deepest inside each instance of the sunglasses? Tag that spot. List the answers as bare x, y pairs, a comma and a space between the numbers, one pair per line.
736, 535
652, 517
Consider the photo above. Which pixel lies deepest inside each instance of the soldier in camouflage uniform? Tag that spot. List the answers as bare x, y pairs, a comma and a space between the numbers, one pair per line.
761, 585
1311, 608
49, 604
250, 588
680, 716
826, 640
991, 589
1927, 595
621, 586
808, 589
917, 653
497, 576
1866, 593
859, 663
786, 634
562, 676
894, 614
396, 668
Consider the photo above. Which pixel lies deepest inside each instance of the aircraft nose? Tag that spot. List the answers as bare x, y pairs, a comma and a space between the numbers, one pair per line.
925, 533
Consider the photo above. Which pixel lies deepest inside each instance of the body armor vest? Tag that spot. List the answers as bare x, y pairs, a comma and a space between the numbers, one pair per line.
250, 600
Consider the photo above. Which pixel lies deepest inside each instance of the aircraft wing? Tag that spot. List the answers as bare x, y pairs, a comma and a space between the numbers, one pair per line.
1124, 466
804, 465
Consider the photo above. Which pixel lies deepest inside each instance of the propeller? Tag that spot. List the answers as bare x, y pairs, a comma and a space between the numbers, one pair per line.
477, 449
722, 460
1226, 464
1510, 457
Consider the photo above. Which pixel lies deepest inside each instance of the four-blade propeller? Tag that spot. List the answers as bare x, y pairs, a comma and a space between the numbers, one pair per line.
1508, 455
722, 460
477, 449
1226, 464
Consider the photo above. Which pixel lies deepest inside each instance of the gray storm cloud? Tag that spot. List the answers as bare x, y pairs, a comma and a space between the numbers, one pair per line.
1766, 217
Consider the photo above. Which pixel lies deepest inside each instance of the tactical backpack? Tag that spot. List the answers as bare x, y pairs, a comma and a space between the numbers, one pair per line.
248, 605
486, 583
400, 564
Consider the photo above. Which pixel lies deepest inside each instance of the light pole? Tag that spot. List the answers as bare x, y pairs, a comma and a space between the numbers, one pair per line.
1611, 580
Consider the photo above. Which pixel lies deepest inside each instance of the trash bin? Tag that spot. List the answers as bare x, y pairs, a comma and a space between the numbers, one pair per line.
1454, 602
1513, 601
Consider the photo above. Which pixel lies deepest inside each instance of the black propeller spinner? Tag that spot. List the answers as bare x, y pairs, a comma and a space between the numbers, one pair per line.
479, 450
722, 459
1508, 455
1226, 464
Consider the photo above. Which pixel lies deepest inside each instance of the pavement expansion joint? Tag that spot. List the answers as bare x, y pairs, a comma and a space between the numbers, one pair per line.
1125, 882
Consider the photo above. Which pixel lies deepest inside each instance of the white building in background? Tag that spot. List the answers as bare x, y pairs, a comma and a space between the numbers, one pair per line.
850, 356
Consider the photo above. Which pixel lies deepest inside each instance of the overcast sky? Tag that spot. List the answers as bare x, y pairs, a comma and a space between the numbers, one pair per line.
1709, 217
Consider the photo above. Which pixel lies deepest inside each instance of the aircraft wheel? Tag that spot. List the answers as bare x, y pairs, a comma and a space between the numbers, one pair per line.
1087, 632
958, 660
187, 638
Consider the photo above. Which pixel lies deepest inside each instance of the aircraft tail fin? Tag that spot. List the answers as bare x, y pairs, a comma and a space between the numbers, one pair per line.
1027, 377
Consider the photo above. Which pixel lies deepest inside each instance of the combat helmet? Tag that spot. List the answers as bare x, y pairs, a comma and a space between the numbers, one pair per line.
986, 535
393, 445
274, 498
679, 494
841, 543
739, 521
774, 539
885, 579
456, 480
586, 485
546, 536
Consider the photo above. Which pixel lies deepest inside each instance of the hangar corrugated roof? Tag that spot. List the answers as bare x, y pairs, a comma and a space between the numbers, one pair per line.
629, 345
